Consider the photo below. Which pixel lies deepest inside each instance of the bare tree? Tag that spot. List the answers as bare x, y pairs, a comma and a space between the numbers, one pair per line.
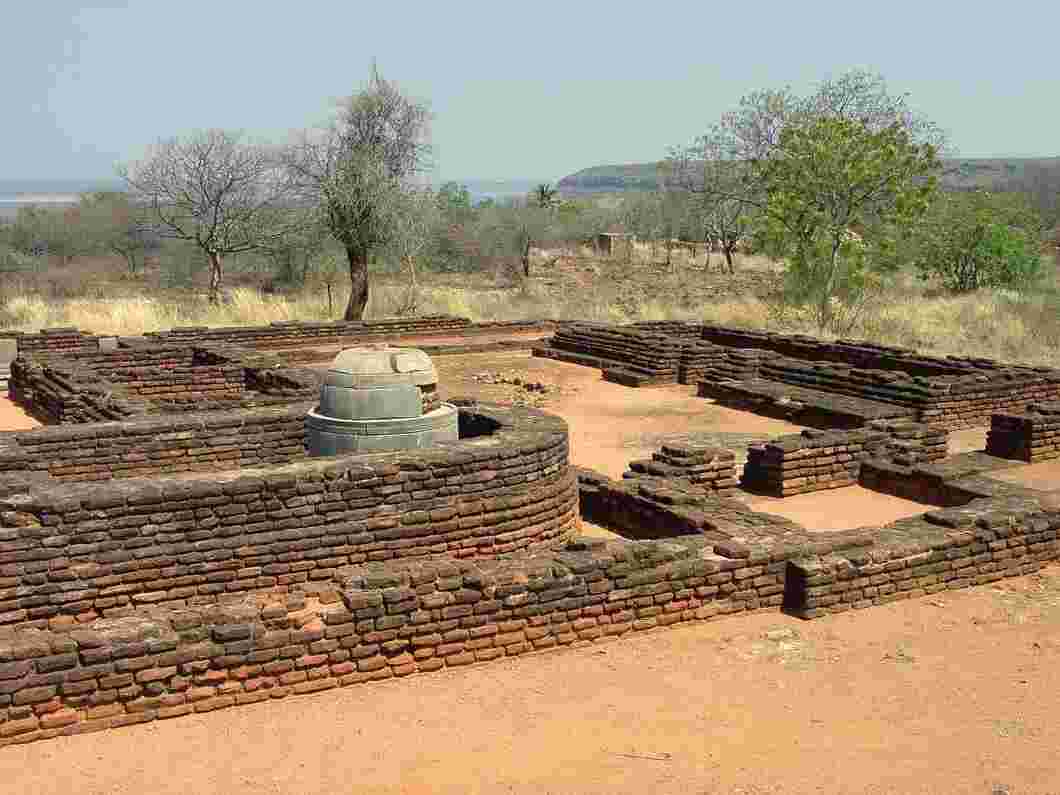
357, 171
216, 191
719, 181
419, 217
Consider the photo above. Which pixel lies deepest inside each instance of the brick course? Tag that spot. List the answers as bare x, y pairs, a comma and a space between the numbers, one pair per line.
139, 379
84, 549
383, 621
155, 445
1031, 435
814, 460
704, 467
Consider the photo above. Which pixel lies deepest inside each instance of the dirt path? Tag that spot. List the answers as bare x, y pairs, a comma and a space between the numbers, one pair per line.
953, 694
609, 424
13, 418
1044, 475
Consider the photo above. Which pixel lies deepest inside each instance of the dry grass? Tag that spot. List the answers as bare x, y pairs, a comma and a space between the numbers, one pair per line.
992, 324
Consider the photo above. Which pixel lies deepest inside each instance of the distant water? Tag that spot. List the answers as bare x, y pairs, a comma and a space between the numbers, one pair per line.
59, 193
15, 193
499, 189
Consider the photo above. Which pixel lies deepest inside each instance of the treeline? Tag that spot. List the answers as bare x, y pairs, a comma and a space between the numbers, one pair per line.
842, 185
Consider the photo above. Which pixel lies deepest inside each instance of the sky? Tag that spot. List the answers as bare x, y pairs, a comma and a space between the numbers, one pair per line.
533, 90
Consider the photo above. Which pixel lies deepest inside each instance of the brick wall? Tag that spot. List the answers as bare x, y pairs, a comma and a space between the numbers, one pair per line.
384, 620
865, 355
815, 460
98, 548
55, 391
943, 550
909, 443
807, 461
138, 379
625, 354
698, 360
390, 622
293, 333
949, 401
169, 374
279, 334
1032, 435
707, 468
191, 442
55, 340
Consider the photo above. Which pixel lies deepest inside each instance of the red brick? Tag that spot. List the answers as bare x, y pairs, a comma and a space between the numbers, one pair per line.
155, 674
175, 711
215, 703
12, 727
64, 717
314, 686
104, 711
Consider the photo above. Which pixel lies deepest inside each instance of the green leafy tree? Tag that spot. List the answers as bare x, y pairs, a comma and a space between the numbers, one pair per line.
294, 253
357, 172
454, 198
826, 175
980, 239
56, 231
112, 223
718, 166
545, 196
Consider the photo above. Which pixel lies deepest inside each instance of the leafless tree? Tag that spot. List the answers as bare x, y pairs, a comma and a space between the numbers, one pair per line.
719, 181
357, 171
418, 218
215, 190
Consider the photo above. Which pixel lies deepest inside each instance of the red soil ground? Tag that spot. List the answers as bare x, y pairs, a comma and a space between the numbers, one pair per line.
954, 693
13, 418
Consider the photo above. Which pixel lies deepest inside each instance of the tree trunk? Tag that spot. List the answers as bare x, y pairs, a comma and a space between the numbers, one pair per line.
728, 259
526, 259
825, 315
358, 258
216, 274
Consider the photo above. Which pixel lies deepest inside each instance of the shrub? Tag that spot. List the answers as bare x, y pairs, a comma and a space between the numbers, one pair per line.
980, 239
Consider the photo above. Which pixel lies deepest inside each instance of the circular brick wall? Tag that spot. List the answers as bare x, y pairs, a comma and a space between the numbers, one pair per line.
96, 548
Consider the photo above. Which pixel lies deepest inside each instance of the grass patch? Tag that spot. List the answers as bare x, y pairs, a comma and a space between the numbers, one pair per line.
1000, 325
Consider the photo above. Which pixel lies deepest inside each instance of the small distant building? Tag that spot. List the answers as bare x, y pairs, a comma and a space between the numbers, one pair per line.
609, 243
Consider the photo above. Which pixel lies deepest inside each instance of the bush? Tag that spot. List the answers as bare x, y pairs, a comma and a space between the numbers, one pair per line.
980, 239
12, 261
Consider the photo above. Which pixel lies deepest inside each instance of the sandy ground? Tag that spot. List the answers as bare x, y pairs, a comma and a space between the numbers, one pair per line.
13, 418
610, 425
955, 693
1044, 475
838, 509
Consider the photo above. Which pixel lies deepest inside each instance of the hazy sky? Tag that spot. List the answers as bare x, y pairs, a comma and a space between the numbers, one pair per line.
519, 90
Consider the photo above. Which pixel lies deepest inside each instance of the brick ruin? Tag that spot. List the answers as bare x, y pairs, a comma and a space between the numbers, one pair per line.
168, 547
829, 385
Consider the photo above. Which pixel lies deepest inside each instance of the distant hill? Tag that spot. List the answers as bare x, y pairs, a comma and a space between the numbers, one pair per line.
958, 174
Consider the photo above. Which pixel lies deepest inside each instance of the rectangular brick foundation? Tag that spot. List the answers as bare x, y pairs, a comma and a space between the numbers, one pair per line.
628, 356
710, 469
1032, 435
